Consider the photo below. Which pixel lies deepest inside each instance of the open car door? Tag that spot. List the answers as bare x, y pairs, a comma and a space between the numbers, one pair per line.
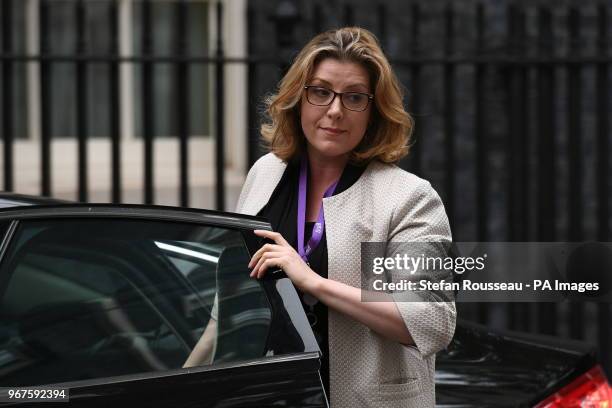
128, 304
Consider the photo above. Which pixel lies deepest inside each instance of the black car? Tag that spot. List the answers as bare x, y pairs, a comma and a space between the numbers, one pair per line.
107, 304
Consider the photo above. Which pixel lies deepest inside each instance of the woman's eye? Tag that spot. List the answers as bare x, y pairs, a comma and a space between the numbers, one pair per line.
322, 92
355, 98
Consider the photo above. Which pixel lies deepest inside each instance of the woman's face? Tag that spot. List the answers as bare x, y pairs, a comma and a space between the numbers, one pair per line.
333, 131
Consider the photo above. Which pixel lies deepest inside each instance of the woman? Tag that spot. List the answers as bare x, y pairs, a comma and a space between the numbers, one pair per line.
337, 125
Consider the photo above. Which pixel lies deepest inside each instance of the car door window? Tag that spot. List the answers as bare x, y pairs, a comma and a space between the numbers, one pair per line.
90, 298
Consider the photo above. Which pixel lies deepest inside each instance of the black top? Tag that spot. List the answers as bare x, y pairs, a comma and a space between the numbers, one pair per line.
281, 212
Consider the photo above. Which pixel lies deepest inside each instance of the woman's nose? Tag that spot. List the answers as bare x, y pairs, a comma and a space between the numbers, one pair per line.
335, 108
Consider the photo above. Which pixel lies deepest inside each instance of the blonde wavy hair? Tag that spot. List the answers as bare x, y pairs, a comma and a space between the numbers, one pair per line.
389, 132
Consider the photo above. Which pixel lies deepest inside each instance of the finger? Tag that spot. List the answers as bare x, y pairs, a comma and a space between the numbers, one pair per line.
272, 262
266, 261
260, 251
267, 248
274, 236
260, 261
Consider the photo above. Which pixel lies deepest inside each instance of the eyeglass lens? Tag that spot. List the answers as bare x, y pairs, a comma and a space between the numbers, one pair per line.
351, 100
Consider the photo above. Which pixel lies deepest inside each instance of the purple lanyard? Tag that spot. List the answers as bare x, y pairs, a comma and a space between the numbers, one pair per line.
319, 227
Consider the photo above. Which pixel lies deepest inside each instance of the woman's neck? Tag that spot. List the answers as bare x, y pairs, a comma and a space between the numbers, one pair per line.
325, 170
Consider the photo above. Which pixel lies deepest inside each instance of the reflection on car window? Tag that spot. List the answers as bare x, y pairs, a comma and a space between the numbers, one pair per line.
94, 298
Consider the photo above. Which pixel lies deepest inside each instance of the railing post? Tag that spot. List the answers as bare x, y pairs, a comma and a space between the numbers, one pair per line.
482, 170
603, 163
574, 118
220, 114
449, 116
516, 157
182, 106
253, 120
547, 312
45, 100
115, 103
416, 148
81, 101
7, 93
148, 102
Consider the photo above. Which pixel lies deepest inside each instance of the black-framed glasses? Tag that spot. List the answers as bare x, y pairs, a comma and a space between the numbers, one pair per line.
321, 96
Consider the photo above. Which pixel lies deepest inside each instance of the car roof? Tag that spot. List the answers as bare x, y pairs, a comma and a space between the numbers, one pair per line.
20, 200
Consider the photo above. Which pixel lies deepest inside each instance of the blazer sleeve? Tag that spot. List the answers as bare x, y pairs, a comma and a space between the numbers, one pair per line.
247, 187
419, 227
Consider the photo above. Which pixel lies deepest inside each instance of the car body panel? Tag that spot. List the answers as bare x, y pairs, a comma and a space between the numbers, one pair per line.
506, 369
8, 200
283, 381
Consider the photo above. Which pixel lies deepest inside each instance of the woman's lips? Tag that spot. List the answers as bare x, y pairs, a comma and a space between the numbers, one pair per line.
333, 130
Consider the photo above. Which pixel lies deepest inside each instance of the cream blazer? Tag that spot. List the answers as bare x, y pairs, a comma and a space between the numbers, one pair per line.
386, 204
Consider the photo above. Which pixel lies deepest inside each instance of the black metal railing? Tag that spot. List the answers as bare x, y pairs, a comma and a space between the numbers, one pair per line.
82, 58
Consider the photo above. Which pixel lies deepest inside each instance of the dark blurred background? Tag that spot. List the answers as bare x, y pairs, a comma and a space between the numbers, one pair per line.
161, 101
